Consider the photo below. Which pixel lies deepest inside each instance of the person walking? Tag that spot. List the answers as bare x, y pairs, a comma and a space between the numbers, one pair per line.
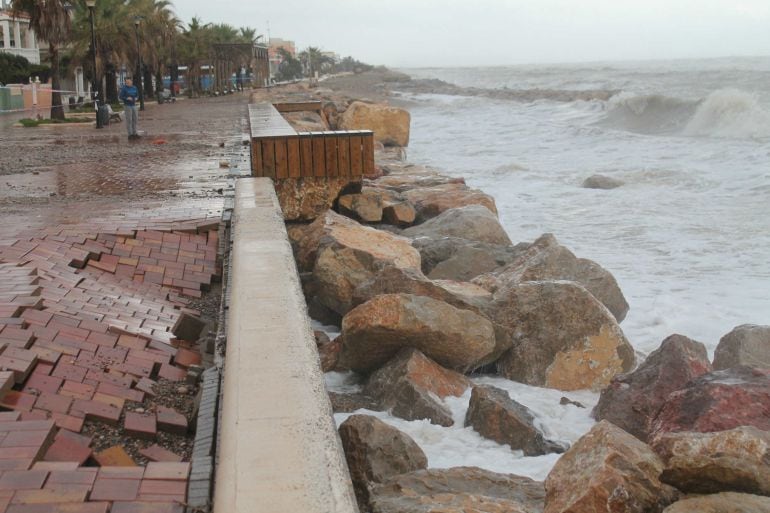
128, 95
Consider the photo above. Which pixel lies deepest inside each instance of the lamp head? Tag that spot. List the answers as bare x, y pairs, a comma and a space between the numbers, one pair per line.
90, 4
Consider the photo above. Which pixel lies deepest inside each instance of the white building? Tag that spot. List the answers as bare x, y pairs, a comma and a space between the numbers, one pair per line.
17, 38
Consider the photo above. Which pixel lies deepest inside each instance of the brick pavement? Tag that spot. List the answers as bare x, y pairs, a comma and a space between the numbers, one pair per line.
102, 248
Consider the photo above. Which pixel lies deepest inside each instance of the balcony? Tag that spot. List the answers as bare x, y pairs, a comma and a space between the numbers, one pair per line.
31, 54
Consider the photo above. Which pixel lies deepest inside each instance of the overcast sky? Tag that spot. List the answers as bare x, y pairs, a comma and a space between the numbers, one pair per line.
408, 33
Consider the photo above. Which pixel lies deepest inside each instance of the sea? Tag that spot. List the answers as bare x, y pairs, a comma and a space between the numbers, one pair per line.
687, 235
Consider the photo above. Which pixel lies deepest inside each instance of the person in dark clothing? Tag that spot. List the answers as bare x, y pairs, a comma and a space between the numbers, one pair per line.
128, 95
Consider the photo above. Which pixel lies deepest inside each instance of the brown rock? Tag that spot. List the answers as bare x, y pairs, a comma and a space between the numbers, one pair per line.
457, 490
632, 400
365, 206
748, 344
719, 400
399, 214
563, 337
330, 354
726, 461
376, 330
430, 201
472, 222
453, 258
547, 260
494, 415
727, 502
390, 124
348, 403
410, 385
375, 451
607, 470
305, 199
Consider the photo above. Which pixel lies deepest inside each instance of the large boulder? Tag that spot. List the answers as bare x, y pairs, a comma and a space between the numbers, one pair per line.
632, 400
400, 177
562, 336
494, 415
717, 401
607, 470
546, 259
747, 344
453, 258
365, 206
735, 460
343, 254
375, 451
457, 490
728, 502
473, 222
390, 124
376, 330
430, 201
305, 199
411, 386
601, 182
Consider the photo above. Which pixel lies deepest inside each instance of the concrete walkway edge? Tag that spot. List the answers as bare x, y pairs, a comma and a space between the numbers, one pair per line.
279, 449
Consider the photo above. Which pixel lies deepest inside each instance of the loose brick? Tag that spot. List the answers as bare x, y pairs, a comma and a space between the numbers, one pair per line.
185, 358
18, 401
167, 471
67, 449
53, 403
115, 489
77, 390
114, 456
157, 453
96, 411
171, 421
171, 373
140, 425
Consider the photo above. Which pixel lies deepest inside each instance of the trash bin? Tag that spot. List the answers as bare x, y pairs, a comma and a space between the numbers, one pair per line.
102, 116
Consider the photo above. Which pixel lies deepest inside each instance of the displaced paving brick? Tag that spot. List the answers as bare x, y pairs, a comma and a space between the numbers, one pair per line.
186, 358
188, 327
77, 390
74, 424
125, 393
19, 401
157, 453
117, 402
146, 385
140, 425
171, 373
65, 448
171, 421
69, 372
53, 403
95, 410
21, 368
167, 471
114, 456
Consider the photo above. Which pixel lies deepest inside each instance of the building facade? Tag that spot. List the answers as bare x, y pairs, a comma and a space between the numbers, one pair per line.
17, 38
274, 56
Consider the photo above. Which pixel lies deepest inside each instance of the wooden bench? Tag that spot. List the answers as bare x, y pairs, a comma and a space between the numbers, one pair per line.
279, 152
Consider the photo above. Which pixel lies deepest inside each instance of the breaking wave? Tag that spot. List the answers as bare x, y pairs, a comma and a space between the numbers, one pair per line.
729, 113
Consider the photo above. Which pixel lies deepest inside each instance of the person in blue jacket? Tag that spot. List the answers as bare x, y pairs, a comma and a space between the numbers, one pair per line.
128, 95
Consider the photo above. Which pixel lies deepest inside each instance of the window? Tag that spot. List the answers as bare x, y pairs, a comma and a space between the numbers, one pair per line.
2, 35
22, 36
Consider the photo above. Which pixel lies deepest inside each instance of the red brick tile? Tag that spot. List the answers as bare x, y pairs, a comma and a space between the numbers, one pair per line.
115, 489
34, 414
53, 403
38, 317
9, 416
15, 462
69, 372
43, 369
45, 355
63, 320
162, 487
21, 368
167, 471
186, 357
49, 496
112, 354
7, 380
96, 411
171, 373
23, 479
112, 379
78, 476
114, 456
65, 449
74, 424
157, 453
140, 425
77, 390
117, 402
146, 385
18, 401
67, 507
55, 465
134, 370
171, 421
25, 335
132, 342
135, 473
125, 393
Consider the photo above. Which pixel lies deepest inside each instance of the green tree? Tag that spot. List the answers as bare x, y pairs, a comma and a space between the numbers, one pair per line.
51, 22
290, 68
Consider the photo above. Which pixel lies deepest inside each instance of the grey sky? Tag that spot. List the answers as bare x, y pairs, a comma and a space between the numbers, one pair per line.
491, 32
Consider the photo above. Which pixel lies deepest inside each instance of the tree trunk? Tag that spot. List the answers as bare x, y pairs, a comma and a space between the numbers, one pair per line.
149, 91
111, 85
57, 110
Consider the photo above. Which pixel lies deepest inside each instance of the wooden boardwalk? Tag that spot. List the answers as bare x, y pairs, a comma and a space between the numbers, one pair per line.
278, 151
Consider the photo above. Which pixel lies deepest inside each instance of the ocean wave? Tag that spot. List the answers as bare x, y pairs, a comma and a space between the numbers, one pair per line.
729, 113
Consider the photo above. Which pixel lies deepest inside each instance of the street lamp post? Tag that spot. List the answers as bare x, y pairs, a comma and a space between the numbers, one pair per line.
140, 82
94, 79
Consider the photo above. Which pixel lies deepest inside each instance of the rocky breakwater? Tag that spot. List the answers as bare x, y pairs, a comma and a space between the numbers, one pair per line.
429, 290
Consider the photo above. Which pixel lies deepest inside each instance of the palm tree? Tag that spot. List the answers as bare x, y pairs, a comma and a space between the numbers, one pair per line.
50, 19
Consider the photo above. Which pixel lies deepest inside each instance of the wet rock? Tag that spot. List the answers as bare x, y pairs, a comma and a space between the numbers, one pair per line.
747, 344
348, 403
546, 259
376, 330
344, 254
735, 460
717, 401
473, 222
453, 258
415, 177
632, 400
562, 336
728, 502
305, 199
430, 201
457, 490
400, 213
607, 470
329, 354
365, 206
564, 401
390, 124
375, 451
601, 182
410, 386
494, 415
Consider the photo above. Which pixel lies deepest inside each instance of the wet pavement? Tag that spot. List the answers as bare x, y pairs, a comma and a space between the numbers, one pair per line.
103, 245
